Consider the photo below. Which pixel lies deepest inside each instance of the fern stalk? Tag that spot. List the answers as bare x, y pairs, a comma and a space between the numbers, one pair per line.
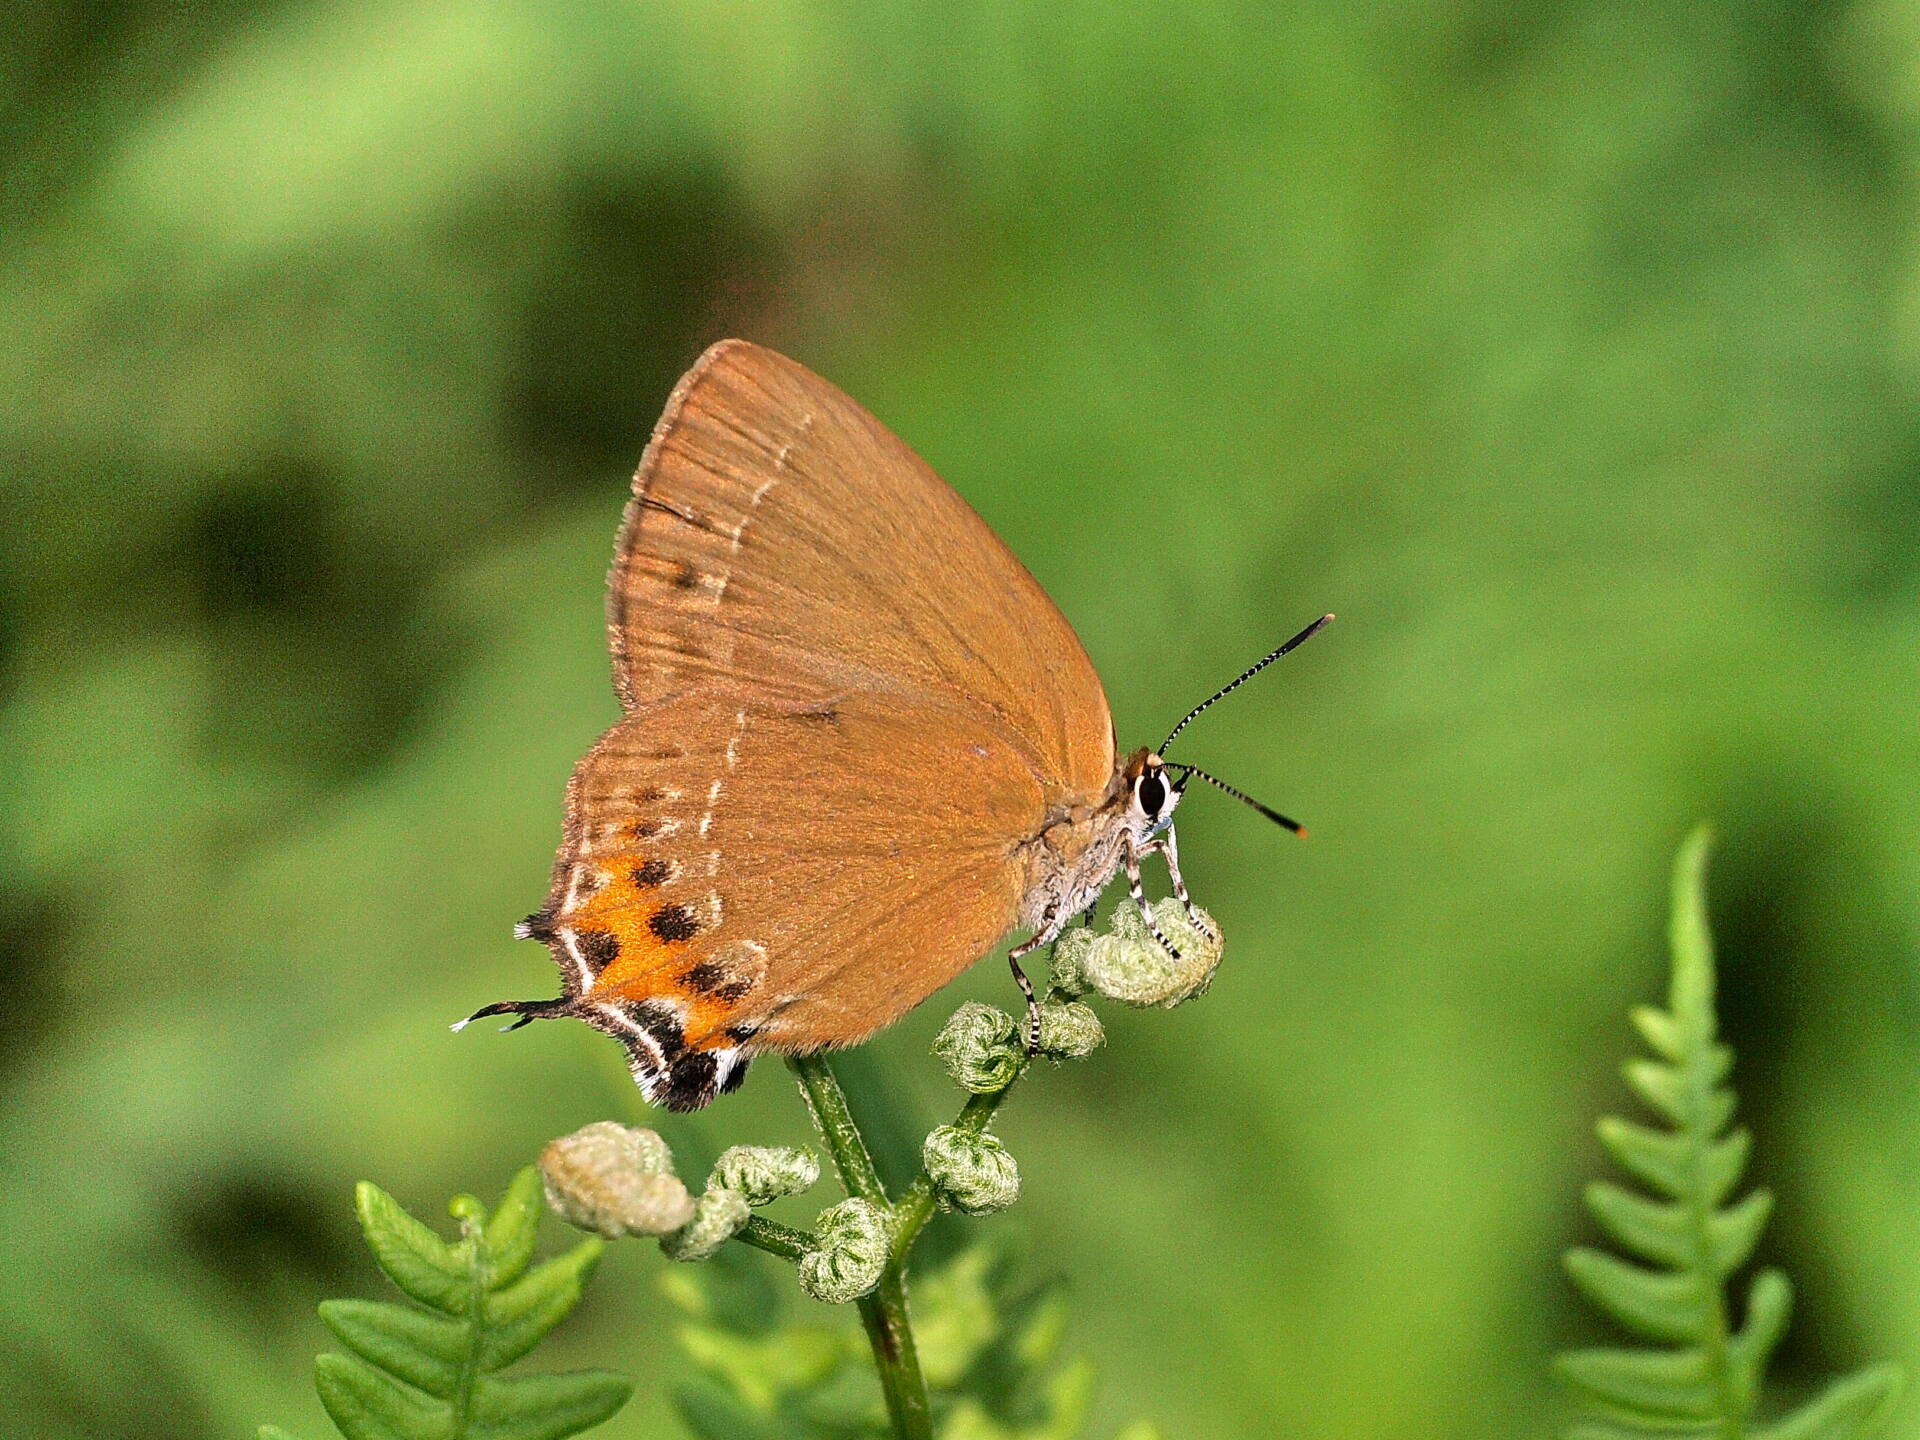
884, 1313
1708, 1386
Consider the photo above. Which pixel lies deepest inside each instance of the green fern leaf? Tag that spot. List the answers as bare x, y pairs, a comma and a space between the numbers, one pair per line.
1651, 1229
514, 1227
990, 1349
1708, 1385
1675, 1384
1663, 1306
712, 1413
1769, 1304
1663, 1161
366, 1405
1849, 1407
431, 1374
426, 1351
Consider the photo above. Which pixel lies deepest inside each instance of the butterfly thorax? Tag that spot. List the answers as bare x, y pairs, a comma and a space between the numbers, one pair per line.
1076, 854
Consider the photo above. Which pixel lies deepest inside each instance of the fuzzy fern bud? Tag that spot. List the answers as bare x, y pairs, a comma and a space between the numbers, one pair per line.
973, 1173
614, 1180
765, 1173
1069, 1031
718, 1216
978, 1048
1126, 963
854, 1239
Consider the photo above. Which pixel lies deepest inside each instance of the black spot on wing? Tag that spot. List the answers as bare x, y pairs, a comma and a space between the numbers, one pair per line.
654, 872
692, 1081
722, 984
598, 949
673, 923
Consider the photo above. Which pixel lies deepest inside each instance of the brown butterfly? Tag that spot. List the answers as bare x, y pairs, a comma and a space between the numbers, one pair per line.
858, 745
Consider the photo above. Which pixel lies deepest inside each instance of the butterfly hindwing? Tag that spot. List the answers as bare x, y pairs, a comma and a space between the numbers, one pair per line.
705, 907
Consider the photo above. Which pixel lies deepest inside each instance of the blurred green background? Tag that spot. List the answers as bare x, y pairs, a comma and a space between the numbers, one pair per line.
1568, 350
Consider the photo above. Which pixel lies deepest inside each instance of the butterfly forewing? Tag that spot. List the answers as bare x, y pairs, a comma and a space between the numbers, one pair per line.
784, 542
849, 710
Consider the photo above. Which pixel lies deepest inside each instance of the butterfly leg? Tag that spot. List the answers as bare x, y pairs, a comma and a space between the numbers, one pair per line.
1140, 898
1170, 849
1026, 989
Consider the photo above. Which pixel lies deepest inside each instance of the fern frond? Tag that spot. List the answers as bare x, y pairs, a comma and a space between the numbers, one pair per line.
991, 1349
1689, 1237
431, 1373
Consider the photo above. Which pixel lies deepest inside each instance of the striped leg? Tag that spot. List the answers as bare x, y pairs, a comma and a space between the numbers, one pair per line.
1026, 989
1140, 899
1170, 848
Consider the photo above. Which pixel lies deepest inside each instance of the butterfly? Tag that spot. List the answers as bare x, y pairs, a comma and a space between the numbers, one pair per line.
858, 746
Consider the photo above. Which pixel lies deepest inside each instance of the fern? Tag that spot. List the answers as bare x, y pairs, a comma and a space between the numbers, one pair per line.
1707, 1382
431, 1374
990, 1348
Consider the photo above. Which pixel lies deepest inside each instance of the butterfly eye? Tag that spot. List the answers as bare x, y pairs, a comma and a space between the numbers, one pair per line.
1151, 793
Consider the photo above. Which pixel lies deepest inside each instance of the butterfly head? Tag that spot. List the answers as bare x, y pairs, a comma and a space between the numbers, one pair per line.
1151, 795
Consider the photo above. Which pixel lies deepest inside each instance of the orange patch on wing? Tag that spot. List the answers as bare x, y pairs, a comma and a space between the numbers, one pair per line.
669, 946
707, 1023
716, 985
637, 903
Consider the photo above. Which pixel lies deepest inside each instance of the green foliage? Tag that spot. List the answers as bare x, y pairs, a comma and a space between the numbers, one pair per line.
990, 1348
857, 1252
1568, 349
1695, 1236
432, 1373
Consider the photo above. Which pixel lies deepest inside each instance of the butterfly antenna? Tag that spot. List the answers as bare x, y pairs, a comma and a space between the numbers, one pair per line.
1244, 676
1245, 799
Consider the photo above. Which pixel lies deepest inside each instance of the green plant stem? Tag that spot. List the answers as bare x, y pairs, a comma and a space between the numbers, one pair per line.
885, 1312
895, 1355
777, 1239
1698, 1127
1690, 1003
827, 1103
1719, 1358
467, 1366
